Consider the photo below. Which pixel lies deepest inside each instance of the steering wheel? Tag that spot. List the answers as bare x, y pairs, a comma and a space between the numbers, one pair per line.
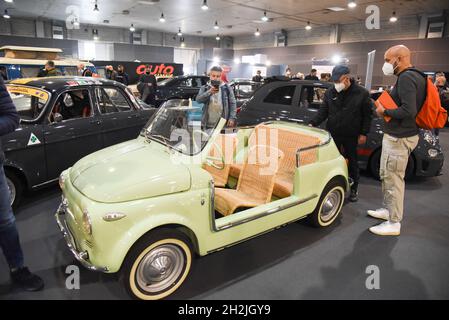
209, 159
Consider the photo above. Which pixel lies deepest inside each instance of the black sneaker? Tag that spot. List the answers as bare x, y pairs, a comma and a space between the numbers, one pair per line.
26, 280
354, 196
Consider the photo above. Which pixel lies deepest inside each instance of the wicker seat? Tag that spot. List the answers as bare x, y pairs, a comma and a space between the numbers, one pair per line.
256, 181
288, 142
227, 143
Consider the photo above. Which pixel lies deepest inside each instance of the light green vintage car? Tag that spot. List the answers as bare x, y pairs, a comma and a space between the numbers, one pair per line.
183, 188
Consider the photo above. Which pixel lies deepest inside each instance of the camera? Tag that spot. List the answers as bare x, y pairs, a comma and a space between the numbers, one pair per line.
215, 83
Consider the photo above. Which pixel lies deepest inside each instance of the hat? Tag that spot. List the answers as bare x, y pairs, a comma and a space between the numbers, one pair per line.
338, 71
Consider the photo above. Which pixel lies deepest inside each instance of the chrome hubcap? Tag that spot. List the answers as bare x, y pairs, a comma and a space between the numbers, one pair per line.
12, 190
330, 205
160, 268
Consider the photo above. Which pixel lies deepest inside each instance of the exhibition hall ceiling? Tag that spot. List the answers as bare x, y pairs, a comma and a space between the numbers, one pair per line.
233, 17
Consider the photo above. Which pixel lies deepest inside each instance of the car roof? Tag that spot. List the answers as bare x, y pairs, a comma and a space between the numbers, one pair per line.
56, 83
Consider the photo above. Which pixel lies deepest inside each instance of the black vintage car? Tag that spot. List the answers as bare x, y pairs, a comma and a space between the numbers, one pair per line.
244, 90
299, 100
181, 87
62, 120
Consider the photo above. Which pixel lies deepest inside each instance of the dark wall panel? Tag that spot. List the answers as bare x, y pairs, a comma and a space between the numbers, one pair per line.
130, 52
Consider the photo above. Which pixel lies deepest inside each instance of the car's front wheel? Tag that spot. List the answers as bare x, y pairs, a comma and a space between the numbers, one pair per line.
15, 188
157, 264
329, 206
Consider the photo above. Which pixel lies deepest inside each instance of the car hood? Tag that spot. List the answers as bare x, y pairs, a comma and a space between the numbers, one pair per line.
129, 171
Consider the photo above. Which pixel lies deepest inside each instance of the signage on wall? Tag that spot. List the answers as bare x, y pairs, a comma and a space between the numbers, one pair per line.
136, 69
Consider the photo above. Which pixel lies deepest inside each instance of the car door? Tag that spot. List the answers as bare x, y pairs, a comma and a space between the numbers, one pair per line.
121, 120
310, 100
74, 136
278, 103
189, 87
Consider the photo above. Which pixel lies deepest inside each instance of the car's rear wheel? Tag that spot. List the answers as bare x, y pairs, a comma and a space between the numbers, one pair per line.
329, 206
15, 187
374, 165
157, 264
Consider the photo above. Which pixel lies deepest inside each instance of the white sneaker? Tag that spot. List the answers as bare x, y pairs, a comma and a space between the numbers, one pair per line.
381, 213
387, 228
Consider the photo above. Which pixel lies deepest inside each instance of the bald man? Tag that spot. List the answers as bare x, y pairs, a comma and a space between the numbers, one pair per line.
400, 136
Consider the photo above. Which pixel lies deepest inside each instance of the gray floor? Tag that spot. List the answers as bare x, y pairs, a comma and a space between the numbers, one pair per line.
295, 262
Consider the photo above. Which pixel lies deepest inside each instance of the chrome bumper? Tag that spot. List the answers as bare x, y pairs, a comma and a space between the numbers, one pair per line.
83, 256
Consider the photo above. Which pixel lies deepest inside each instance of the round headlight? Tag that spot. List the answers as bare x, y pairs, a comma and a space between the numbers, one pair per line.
433, 153
87, 224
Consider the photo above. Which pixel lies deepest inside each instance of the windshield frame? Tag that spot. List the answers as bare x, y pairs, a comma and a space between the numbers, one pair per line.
145, 133
44, 108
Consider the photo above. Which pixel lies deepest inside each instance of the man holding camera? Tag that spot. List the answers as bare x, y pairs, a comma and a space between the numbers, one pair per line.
218, 99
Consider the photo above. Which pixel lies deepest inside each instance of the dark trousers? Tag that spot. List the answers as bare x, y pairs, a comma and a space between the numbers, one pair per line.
348, 148
9, 237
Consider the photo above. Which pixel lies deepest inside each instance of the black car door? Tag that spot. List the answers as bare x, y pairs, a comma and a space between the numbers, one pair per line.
310, 100
75, 134
278, 103
121, 120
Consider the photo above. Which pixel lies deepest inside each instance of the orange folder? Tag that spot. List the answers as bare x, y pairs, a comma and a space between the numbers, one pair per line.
387, 102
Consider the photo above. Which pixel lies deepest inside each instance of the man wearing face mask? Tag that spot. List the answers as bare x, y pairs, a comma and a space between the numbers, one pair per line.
400, 136
219, 100
347, 107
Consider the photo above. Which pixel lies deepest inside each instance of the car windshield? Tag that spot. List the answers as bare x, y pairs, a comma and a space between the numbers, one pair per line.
164, 82
180, 125
245, 90
30, 102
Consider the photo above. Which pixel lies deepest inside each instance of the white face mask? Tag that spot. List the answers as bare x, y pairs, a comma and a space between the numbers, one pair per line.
388, 69
339, 86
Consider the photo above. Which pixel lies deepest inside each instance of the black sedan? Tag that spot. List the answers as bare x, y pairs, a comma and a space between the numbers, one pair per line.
299, 100
181, 87
62, 120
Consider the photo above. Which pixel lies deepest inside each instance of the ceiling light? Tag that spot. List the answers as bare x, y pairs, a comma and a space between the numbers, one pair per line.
336, 9
216, 27
237, 61
96, 6
268, 63
308, 26
132, 29
95, 33
10, 1
162, 18
393, 18
216, 60
264, 18
217, 37
336, 59
183, 44
352, 4
204, 6
179, 32
257, 33
76, 23
6, 15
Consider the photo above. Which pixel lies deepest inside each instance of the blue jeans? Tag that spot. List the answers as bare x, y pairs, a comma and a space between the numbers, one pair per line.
9, 236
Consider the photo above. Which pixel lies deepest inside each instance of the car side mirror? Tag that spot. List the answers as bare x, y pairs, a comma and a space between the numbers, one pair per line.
68, 101
57, 117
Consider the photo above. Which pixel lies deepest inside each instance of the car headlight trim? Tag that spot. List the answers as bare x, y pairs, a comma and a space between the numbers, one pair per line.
432, 153
87, 223
429, 137
62, 179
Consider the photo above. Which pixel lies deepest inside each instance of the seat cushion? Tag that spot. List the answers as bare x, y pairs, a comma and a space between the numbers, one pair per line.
282, 187
227, 201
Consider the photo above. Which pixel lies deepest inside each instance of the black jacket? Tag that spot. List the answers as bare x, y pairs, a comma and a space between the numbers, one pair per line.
409, 93
122, 77
348, 113
9, 118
